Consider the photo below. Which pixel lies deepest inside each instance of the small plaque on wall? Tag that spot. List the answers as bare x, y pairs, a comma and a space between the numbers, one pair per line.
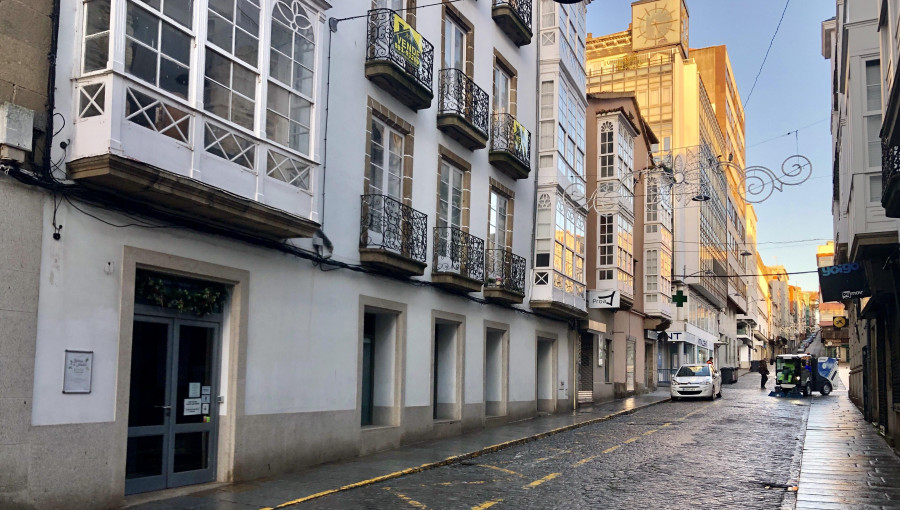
77, 375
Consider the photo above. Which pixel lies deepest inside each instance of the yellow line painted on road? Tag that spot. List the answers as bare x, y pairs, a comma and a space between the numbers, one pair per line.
612, 448
487, 504
458, 458
633, 439
666, 424
584, 461
498, 468
649, 432
547, 478
408, 499
542, 459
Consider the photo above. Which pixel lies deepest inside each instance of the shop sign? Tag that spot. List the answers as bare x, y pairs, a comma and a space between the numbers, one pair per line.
843, 281
603, 299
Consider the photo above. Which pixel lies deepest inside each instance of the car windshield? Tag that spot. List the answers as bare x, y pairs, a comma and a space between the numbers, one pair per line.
696, 371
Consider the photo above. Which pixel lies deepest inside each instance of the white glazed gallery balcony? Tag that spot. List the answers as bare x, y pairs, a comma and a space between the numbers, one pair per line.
557, 294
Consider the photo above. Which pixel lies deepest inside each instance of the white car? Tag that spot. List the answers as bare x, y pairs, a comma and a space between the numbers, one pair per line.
700, 380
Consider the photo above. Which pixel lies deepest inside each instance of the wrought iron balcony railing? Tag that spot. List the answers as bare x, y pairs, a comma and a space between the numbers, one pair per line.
458, 252
391, 39
388, 224
505, 270
461, 96
510, 137
522, 8
890, 179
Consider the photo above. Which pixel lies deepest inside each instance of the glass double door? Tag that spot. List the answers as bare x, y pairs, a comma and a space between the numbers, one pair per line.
172, 412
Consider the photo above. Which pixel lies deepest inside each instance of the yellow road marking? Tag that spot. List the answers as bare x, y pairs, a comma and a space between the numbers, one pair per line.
584, 461
487, 504
408, 499
666, 424
649, 432
542, 459
547, 478
461, 482
612, 448
633, 439
502, 469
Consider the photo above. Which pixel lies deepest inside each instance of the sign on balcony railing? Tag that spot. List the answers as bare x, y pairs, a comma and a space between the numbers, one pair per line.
511, 136
458, 252
505, 270
460, 95
391, 38
388, 224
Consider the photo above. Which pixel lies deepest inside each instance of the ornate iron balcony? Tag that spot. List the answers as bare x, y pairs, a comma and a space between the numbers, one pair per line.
458, 259
514, 18
890, 179
505, 271
399, 59
463, 112
510, 146
393, 235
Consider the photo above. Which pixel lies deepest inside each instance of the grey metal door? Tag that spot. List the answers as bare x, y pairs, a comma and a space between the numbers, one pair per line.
172, 414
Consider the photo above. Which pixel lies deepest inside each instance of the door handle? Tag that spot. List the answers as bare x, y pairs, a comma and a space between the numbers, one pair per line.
164, 407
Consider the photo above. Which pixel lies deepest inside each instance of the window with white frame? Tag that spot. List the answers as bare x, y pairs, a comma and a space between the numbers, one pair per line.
606, 240
651, 270
229, 86
547, 107
385, 160
289, 106
158, 44
607, 150
568, 256
570, 136
95, 53
873, 113
497, 218
454, 45
625, 249
502, 80
451, 195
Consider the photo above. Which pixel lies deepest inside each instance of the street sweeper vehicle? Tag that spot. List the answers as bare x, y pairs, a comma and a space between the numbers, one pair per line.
800, 374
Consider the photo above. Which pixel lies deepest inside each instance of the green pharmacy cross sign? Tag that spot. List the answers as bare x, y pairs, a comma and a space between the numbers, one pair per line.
679, 299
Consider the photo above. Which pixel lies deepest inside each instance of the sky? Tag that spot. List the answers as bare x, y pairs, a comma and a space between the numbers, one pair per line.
792, 93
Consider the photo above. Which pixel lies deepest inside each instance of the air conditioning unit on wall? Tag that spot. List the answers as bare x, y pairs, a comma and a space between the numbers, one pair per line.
16, 130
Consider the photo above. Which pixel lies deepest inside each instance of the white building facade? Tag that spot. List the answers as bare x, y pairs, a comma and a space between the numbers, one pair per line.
303, 232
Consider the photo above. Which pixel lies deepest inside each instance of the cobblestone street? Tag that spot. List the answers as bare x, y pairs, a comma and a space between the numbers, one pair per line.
741, 451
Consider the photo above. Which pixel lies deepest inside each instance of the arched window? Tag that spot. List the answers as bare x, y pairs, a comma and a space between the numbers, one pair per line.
291, 76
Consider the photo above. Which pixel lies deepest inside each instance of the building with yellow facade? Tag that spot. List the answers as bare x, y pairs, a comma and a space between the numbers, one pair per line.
690, 100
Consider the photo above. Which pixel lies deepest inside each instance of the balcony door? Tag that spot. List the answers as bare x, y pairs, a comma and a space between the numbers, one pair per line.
172, 411
385, 178
449, 219
502, 80
496, 237
454, 45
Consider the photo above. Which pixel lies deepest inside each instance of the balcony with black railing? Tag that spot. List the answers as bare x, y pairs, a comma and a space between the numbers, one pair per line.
464, 109
510, 146
399, 59
458, 263
504, 279
890, 179
514, 18
393, 237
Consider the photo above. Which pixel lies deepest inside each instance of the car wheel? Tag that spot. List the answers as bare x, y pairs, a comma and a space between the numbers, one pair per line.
719, 395
826, 388
806, 391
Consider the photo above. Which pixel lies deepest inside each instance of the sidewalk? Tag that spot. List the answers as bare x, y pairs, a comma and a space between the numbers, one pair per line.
335, 477
845, 464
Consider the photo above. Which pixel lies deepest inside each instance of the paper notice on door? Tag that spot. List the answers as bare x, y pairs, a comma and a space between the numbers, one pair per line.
204, 399
191, 406
205, 408
205, 390
193, 390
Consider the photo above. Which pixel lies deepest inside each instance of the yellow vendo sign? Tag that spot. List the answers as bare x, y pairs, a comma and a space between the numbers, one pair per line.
407, 42
840, 322
520, 138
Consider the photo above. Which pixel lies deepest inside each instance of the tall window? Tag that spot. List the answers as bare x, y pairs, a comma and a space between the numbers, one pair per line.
606, 240
873, 113
568, 257
501, 90
454, 45
651, 271
386, 160
229, 88
547, 104
394, 5
96, 35
625, 258
497, 222
607, 151
158, 44
291, 76
450, 205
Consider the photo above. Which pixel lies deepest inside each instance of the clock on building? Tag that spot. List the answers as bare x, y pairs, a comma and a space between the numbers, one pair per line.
659, 23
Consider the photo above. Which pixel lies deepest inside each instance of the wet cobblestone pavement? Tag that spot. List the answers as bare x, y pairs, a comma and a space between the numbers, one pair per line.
743, 451
740, 451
